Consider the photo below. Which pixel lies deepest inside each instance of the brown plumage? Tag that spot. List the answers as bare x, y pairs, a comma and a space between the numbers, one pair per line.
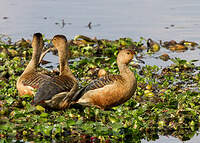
101, 73
65, 83
110, 90
30, 78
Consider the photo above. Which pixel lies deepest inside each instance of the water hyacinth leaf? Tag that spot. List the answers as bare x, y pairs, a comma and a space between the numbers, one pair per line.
70, 122
10, 100
87, 48
172, 110
61, 119
192, 125
40, 108
116, 126
3, 140
57, 129
25, 96
47, 130
4, 127
44, 115
88, 127
113, 119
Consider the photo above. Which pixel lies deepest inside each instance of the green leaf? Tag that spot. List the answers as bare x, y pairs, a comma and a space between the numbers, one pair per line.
10, 100
40, 108
44, 115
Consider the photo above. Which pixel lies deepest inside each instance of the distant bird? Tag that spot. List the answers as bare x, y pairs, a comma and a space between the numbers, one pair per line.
152, 46
110, 90
59, 86
90, 25
30, 78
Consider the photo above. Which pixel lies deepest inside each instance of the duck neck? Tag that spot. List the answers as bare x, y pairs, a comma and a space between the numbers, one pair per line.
64, 66
32, 65
125, 72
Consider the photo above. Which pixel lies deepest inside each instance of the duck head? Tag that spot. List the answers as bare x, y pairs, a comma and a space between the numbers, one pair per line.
125, 56
37, 45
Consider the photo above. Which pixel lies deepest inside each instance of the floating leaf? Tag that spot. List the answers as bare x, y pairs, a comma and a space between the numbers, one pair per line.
44, 115
40, 108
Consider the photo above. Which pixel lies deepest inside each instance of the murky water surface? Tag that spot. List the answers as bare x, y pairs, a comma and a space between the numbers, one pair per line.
156, 19
170, 139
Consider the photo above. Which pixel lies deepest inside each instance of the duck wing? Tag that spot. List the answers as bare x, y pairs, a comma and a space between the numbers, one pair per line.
98, 83
52, 87
35, 80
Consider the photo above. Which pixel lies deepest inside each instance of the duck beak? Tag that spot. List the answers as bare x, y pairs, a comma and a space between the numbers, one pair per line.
138, 60
51, 44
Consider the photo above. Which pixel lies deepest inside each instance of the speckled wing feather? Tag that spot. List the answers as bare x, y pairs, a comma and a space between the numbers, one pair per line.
98, 83
34, 80
52, 87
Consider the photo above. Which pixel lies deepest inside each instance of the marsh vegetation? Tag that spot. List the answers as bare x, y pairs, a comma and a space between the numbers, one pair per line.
166, 102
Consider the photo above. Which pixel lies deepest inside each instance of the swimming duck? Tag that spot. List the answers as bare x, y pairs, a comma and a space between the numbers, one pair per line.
110, 90
59, 86
152, 46
30, 78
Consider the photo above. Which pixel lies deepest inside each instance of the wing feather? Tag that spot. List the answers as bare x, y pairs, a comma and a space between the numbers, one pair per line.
34, 80
96, 84
52, 87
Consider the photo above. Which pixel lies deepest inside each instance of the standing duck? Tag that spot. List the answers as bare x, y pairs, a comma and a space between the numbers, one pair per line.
30, 78
52, 92
110, 90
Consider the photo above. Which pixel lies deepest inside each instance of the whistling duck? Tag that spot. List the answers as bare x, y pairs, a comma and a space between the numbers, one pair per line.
52, 92
110, 90
152, 46
63, 100
30, 78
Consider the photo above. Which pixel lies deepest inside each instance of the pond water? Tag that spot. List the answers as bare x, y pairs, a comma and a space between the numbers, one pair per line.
170, 139
156, 19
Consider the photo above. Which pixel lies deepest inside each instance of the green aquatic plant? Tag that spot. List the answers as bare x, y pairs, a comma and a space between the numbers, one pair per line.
166, 101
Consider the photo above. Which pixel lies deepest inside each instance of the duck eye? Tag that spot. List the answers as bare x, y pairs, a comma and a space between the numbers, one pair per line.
128, 53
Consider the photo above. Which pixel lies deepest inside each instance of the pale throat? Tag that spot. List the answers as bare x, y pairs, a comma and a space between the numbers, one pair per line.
125, 71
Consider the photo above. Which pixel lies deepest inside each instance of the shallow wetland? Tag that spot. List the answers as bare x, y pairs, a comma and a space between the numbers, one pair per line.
166, 101
164, 34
